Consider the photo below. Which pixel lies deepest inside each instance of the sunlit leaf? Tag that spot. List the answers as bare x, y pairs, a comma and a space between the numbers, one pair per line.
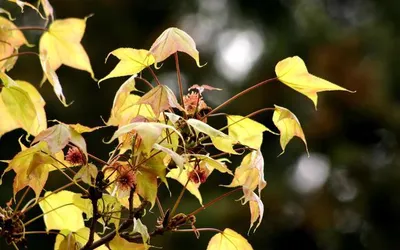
288, 125
62, 44
59, 135
60, 212
250, 173
51, 76
75, 240
215, 164
11, 39
87, 173
247, 131
173, 40
3, 11
125, 106
220, 140
141, 229
293, 72
178, 159
84, 129
10, 121
48, 9
132, 61
183, 179
146, 184
228, 240
256, 207
148, 131
119, 243
160, 98
201, 88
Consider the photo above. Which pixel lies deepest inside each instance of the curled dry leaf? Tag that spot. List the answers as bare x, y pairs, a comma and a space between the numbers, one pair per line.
288, 125
293, 72
171, 41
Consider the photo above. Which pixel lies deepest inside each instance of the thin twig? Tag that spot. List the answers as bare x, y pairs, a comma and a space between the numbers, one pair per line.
178, 75
19, 54
154, 76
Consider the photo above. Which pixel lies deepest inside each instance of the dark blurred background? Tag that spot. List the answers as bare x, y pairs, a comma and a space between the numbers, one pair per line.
345, 196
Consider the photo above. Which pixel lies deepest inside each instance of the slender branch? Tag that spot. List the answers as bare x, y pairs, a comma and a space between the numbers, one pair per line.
213, 201
154, 76
43, 214
179, 199
40, 232
145, 81
19, 54
96, 217
21, 199
178, 74
209, 229
69, 178
98, 159
239, 95
160, 208
31, 28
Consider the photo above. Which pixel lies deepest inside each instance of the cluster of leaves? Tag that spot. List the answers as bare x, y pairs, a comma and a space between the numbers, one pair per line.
159, 138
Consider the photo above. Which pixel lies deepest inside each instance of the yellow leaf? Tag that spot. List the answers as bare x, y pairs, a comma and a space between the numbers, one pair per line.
60, 212
3, 11
293, 72
12, 38
228, 240
146, 184
220, 140
182, 178
288, 125
160, 98
84, 129
48, 9
212, 163
247, 131
125, 106
50, 74
119, 243
75, 240
171, 41
22, 4
256, 207
9, 121
250, 173
132, 62
62, 44
87, 173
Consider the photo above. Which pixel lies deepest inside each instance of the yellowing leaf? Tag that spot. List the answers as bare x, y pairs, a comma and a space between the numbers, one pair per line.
58, 136
256, 207
11, 39
171, 41
50, 74
148, 131
250, 173
119, 243
288, 125
48, 9
22, 5
178, 159
125, 106
215, 164
75, 240
146, 184
220, 140
17, 110
84, 129
3, 11
247, 131
160, 98
62, 44
60, 212
87, 173
183, 178
132, 62
293, 72
228, 240
141, 229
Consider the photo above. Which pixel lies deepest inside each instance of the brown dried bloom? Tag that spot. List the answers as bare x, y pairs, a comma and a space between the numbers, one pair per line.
194, 103
126, 178
75, 156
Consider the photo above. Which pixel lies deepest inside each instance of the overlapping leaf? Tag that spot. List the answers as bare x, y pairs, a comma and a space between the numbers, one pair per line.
171, 41
247, 131
228, 240
160, 98
75, 240
220, 140
21, 106
288, 125
293, 72
132, 61
119, 243
62, 45
60, 212
256, 208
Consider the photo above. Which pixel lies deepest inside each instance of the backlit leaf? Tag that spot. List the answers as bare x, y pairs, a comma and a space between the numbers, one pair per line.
247, 131
182, 178
160, 98
250, 173
293, 72
146, 184
22, 5
48, 9
87, 173
119, 243
141, 229
288, 125
132, 61
173, 40
256, 208
50, 74
228, 240
220, 140
62, 44
60, 212
84, 129
75, 240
